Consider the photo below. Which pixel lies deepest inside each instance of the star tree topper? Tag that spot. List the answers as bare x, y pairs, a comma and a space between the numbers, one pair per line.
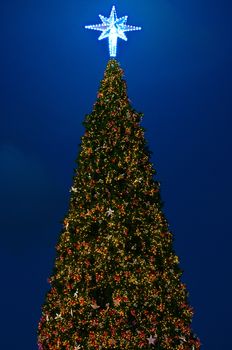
113, 28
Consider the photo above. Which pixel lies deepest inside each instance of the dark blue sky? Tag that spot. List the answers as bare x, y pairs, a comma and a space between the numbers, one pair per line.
178, 71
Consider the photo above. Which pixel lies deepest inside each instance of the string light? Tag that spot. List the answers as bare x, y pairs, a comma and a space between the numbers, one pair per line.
116, 282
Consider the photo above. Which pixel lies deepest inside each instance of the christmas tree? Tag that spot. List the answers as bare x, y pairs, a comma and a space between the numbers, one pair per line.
116, 282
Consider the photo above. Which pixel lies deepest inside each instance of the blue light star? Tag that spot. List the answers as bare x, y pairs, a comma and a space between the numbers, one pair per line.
113, 28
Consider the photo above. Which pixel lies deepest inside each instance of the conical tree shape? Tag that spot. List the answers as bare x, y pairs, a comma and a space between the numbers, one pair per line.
116, 282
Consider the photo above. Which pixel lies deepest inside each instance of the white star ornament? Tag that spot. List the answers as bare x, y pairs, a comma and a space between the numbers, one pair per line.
113, 28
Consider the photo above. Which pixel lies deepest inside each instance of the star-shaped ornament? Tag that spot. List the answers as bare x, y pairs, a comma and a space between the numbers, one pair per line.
182, 339
58, 317
117, 301
113, 28
151, 340
109, 212
73, 189
95, 306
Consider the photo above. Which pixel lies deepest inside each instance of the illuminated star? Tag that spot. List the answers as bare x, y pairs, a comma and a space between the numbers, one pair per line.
151, 340
113, 28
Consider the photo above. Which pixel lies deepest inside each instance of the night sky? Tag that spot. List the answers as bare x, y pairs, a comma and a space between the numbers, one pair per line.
178, 72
